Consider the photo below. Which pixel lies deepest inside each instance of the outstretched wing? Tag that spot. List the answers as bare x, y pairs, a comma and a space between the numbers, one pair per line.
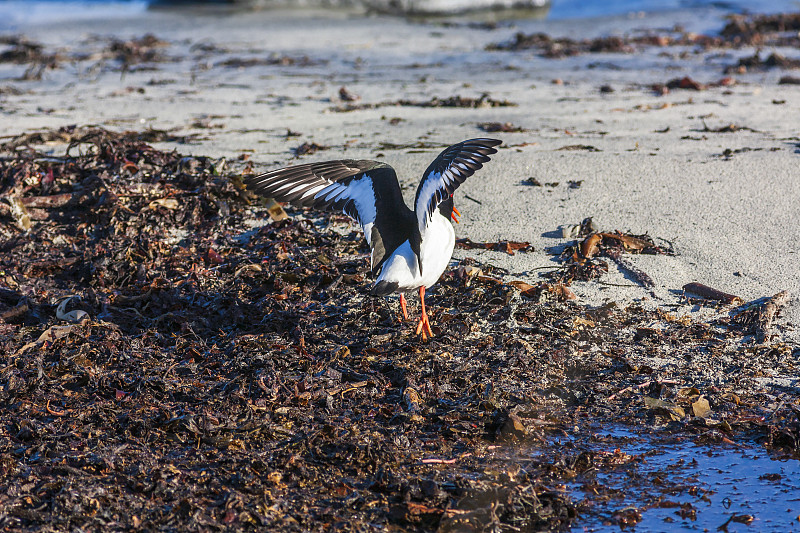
327, 185
449, 170
364, 190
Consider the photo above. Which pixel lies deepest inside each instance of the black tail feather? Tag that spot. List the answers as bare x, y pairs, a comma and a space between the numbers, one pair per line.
384, 288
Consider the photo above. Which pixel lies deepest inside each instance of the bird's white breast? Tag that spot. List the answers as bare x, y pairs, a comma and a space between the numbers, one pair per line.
436, 249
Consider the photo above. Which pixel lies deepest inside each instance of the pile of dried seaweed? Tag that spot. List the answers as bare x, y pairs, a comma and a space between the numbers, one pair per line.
484, 101
166, 365
775, 30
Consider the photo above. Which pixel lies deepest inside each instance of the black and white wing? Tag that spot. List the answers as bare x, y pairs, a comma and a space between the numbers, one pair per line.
449, 170
328, 185
367, 191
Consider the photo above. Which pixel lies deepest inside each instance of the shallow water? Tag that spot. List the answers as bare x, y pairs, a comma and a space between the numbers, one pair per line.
16, 13
701, 487
564, 9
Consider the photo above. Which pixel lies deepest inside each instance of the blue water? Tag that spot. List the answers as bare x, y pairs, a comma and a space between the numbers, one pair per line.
736, 480
565, 9
16, 12
701, 486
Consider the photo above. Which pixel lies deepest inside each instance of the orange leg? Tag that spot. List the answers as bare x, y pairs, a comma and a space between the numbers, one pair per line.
424, 325
403, 306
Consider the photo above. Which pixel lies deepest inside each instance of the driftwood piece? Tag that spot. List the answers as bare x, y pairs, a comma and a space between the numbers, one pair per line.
709, 293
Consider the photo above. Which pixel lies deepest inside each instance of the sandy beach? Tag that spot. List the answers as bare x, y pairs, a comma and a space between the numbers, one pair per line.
655, 164
231, 378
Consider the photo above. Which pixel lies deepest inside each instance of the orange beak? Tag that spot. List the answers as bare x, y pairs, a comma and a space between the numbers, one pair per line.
454, 214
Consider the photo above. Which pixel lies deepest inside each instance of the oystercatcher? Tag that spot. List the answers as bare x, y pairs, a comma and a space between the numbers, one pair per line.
409, 249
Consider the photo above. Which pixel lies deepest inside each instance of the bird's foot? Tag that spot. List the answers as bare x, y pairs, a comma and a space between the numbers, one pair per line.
424, 327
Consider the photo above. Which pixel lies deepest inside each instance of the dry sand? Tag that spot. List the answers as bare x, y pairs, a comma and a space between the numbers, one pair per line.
732, 220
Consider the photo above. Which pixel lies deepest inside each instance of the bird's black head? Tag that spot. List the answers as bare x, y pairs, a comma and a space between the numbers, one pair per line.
446, 208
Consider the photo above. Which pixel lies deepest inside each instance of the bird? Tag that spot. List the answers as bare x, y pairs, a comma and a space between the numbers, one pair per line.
409, 249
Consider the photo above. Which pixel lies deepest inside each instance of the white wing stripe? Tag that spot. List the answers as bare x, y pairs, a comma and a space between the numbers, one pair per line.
283, 186
298, 188
313, 190
331, 192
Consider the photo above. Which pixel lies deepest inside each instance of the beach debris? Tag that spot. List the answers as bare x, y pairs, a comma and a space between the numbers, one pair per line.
534, 182
144, 49
19, 212
754, 63
346, 96
685, 83
789, 80
741, 30
585, 228
759, 319
412, 400
709, 293
484, 101
755, 30
308, 148
728, 153
688, 83
736, 518
20, 50
581, 260
701, 408
768, 313
271, 60
564, 47
509, 427
578, 147
76, 316
505, 127
509, 247
23, 51
665, 408
729, 128
543, 291
275, 210
762, 29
